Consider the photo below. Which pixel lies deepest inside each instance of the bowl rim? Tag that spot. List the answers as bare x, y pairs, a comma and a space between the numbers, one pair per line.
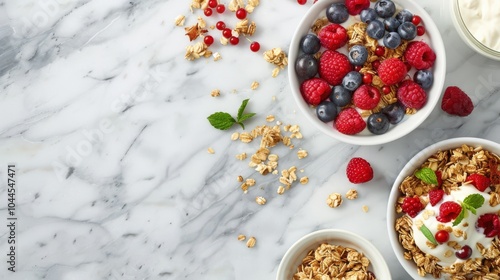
417, 159
343, 236
466, 35
399, 131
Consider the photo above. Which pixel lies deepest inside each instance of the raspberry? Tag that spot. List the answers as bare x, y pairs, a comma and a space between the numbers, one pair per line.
411, 95
349, 122
392, 71
315, 90
359, 171
435, 196
333, 66
479, 181
420, 55
412, 205
366, 97
490, 224
456, 102
354, 7
448, 211
333, 36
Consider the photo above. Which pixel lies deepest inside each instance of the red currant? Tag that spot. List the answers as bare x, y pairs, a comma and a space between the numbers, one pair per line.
380, 51
220, 25
227, 33
376, 64
234, 40
416, 20
220, 8
357, 68
367, 78
464, 253
420, 30
302, 2
208, 40
241, 13
212, 3
208, 12
255, 46
442, 236
386, 89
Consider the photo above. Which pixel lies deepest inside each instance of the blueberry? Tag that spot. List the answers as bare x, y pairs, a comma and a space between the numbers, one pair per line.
306, 66
407, 31
392, 40
310, 44
352, 80
424, 78
395, 112
340, 96
357, 55
385, 8
378, 123
404, 16
337, 13
375, 29
326, 111
368, 15
391, 24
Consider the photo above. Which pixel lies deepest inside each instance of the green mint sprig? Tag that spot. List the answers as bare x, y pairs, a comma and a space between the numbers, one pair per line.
470, 203
427, 175
223, 120
428, 234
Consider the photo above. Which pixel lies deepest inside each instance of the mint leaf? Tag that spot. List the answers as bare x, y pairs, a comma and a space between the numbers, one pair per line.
427, 175
474, 200
246, 117
460, 216
241, 109
221, 120
428, 234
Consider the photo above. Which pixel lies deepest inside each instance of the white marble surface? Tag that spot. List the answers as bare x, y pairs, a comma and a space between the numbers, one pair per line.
106, 123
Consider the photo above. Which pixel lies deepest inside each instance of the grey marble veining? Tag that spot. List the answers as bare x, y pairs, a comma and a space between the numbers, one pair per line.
106, 123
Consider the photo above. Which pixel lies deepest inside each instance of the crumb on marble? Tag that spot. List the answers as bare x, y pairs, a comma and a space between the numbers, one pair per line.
210, 151
351, 194
365, 208
241, 237
179, 20
260, 200
215, 93
334, 200
254, 85
251, 242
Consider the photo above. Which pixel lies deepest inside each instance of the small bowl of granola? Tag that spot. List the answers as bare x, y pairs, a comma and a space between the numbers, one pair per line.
366, 72
443, 214
337, 254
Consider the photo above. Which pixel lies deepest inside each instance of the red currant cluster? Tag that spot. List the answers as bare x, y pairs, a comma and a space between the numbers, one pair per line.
303, 2
227, 33
416, 20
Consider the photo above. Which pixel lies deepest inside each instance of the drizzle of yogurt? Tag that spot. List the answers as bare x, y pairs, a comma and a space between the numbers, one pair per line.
482, 18
473, 236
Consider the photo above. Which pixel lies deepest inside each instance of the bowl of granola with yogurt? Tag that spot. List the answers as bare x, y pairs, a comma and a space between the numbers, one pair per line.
443, 214
332, 254
366, 72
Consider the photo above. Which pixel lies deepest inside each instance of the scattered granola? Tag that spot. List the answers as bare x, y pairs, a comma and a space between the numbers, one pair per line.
277, 57
254, 85
270, 118
241, 156
334, 200
351, 194
365, 208
215, 93
304, 180
301, 153
280, 190
334, 262
251, 242
241, 237
210, 151
235, 136
260, 200
194, 31
216, 56
196, 51
179, 20
239, 178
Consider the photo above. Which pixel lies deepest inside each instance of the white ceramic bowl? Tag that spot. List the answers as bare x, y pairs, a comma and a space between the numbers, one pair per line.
294, 256
407, 170
467, 35
432, 37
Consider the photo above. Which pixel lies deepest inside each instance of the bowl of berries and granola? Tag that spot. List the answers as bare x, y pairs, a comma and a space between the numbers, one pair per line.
443, 215
366, 72
332, 254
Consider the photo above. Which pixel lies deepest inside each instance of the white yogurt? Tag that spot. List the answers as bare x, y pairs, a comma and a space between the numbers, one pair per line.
473, 236
482, 18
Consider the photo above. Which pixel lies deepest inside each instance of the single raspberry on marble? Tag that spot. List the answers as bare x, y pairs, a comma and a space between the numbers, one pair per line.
479, 181
392, 71
435, 196
419, 55
354, 7
349, 122
456, 102
448, 211
333, 36
412, 206
333, 66
366, 97
359, 171
411, 94
315, 90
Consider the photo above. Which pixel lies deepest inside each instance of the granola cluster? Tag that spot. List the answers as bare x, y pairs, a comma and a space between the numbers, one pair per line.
455, 165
